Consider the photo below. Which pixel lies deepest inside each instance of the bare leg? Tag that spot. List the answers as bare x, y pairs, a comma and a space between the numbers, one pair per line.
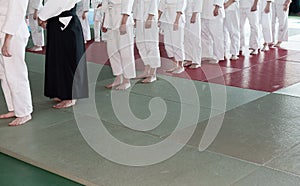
117, 82
174, 68
152, 76
145, 74
179, 68
20, 120
8, 115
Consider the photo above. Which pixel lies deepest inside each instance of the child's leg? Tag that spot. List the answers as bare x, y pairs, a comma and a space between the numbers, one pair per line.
254, 36
215, 29
243, 17
283, 24
97, 30
17, 79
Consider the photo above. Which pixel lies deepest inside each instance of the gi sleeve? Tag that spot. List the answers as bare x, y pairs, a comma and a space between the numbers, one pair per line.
153, 9
181, 5
162, 5
220, 3
55, 7
135, 9
198, 6
86, 5
127, 6
15, 16
36, 4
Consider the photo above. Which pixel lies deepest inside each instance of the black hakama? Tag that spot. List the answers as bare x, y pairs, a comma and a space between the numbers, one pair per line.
65, 69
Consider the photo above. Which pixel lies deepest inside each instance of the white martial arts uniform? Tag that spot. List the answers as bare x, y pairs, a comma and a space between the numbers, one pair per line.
147, 39
173, 40
253, 17
282, 16
13, 70
266, 21
192, 35
212, 33
120, 48
98, 20
232, 28
37, 32
82, 6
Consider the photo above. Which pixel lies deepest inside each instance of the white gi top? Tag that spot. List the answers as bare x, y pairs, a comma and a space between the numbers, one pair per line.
142, 9
114, 11
234, 6
263, 4
12, 18
53, 8
34, 5
207, 12
280, 1
83, 5
170, 9
95, 3
194, 6
246, 3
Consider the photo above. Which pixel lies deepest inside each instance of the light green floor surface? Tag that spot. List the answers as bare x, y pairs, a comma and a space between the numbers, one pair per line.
258, 143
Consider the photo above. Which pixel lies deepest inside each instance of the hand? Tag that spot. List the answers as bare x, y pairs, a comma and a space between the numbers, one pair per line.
216, 11
42, 24
285, 7
123, 29
175, 26
35, 16
267, 9
6, 49
99, 5
84, 15
193, 19
254, 8
148, 24
159, 24
104, 29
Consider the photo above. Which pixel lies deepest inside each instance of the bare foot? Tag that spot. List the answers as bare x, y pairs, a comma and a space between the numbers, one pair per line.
124, 86
117, 82
193, 66
65, 104
149, 79
56, 99
142, 76
178, 70
20, 121
278, 44
172, 69
8, 115
188, 63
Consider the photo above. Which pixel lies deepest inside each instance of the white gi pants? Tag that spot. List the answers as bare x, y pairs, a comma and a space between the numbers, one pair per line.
98, 20
120, 49
14, 78
266, 22
282, 20
37, 32
147, 41
174, 41
85, 27
192, 40
232, 31
254, 22
212, 36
